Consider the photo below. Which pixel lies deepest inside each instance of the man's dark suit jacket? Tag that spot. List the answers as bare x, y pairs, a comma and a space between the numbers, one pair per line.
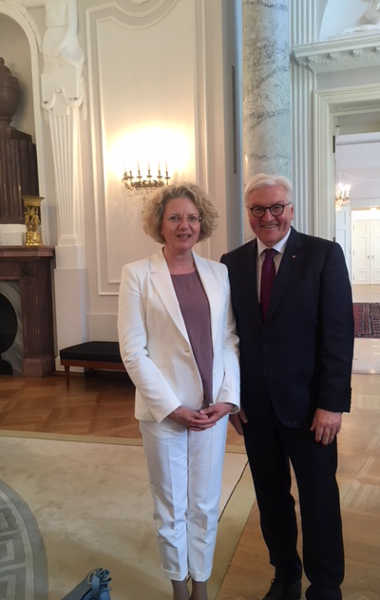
302, 355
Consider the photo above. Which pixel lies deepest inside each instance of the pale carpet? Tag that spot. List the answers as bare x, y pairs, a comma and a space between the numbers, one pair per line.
93, 507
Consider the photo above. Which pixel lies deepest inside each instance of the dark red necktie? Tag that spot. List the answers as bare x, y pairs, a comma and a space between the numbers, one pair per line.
268, 273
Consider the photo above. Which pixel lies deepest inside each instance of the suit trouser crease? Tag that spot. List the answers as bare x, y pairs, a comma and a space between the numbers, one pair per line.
185, 470
271, 448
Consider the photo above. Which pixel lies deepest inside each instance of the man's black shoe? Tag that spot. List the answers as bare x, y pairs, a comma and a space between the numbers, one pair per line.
280, 590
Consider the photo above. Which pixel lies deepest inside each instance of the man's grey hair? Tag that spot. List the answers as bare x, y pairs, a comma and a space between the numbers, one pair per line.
263, 180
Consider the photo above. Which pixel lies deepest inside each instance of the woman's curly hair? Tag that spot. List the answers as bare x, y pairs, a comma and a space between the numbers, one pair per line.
155, 208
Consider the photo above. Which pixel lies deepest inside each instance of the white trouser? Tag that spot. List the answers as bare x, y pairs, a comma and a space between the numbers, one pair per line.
185, 469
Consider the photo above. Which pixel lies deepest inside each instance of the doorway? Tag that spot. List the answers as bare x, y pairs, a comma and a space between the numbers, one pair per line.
354, 110
357, 170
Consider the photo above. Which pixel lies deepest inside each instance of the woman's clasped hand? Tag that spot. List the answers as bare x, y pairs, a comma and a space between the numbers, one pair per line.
198, 420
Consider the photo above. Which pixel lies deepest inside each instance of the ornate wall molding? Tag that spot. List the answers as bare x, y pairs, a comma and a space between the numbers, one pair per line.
348, 52
62, 98
134, 17
135, 13
64, 124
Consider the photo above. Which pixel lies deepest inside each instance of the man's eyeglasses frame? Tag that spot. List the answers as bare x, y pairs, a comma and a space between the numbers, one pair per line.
276, 210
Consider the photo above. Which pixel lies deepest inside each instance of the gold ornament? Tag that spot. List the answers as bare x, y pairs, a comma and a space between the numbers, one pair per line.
32, 213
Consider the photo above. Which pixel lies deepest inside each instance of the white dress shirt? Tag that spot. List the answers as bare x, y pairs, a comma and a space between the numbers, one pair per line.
279, 247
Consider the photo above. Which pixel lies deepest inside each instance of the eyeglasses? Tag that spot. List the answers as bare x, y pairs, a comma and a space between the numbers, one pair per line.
191, 219
275, 210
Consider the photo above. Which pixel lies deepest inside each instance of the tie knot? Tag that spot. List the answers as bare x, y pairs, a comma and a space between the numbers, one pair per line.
269, 253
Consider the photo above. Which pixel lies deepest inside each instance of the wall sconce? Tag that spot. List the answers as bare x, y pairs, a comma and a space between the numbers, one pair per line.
139, 182
342, 194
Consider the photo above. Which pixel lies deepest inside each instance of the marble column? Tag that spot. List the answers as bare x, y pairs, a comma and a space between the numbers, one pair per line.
266, 88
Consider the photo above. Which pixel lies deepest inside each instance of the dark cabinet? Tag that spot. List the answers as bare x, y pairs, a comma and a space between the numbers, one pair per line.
18, 173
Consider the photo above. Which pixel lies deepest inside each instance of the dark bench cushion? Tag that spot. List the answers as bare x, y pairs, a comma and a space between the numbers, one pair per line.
96, 351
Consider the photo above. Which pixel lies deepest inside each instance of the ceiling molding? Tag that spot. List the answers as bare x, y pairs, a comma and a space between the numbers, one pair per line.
339, 54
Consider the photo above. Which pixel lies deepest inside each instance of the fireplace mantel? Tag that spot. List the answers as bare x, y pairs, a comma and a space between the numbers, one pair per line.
26, 252
32, 266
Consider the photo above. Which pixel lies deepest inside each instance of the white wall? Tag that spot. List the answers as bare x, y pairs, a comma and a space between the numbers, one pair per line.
143, 109
157, 92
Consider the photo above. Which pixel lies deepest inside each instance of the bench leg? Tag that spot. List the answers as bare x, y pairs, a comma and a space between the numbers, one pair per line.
67, 373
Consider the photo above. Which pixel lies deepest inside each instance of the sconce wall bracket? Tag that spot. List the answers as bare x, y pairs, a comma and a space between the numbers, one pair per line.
149, 182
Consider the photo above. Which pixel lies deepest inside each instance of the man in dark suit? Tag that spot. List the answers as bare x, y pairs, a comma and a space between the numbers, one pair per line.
293, 306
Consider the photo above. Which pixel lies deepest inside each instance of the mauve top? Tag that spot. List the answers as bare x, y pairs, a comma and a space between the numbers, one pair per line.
195, 310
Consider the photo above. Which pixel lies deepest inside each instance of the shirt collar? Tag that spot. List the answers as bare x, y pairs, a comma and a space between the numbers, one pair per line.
280, 246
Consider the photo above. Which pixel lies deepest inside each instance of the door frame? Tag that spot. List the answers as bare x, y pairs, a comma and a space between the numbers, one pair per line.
327, 105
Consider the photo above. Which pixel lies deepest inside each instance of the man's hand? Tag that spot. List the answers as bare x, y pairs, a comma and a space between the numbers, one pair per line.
237, 421
326, 424
191, 419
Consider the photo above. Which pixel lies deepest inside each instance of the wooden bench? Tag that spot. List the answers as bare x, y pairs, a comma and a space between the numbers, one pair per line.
91, 356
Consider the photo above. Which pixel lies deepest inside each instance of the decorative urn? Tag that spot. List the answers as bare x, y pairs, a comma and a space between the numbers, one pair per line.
9, 94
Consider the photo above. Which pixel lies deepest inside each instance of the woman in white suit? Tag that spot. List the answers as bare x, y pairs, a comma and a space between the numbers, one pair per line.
178, 343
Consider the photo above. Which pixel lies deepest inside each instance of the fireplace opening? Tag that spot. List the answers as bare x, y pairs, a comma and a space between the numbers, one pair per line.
25, 281
8, 331
11, 342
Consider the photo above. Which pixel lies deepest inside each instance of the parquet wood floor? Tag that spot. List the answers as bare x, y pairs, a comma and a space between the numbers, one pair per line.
100, 405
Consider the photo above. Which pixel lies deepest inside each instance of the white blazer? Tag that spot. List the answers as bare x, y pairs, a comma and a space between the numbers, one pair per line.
155, 346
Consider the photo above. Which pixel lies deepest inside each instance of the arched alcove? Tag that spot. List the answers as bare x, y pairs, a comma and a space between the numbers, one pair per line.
14, 48
20, 42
